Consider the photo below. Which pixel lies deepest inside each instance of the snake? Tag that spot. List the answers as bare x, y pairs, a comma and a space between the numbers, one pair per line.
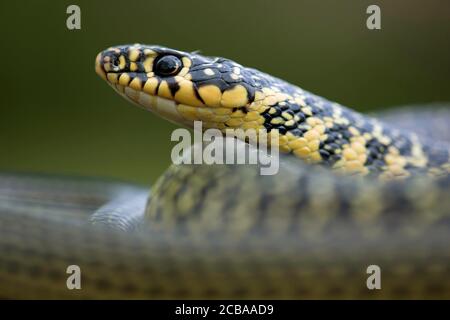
353, 191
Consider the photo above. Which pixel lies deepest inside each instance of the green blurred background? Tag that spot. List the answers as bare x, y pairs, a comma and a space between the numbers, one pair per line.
57, 115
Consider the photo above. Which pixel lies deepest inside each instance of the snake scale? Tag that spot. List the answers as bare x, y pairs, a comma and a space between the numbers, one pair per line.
351, 191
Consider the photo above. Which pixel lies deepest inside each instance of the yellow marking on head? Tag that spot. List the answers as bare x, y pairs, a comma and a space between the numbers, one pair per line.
148, 64
133, 54
150, 86
112, 77
164, 90
186, 94
133, 66
184, 72
186, 62
107, 67
136, 84
122, 62
149, 52
235, 97
211, 95
124, 79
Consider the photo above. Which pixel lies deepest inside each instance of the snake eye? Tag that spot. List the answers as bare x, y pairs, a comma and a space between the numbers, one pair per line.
167, 66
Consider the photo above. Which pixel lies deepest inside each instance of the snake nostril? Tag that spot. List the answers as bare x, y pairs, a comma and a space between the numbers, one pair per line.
115, 62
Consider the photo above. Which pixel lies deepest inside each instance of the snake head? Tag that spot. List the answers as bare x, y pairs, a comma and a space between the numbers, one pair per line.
180, 86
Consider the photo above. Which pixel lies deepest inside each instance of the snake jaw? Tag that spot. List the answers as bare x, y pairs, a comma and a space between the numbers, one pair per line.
98, 67
165, 108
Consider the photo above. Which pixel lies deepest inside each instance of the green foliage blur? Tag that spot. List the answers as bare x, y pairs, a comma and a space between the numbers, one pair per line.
58, 116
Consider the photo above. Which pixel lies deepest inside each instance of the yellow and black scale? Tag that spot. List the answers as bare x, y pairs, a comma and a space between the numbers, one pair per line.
186, 87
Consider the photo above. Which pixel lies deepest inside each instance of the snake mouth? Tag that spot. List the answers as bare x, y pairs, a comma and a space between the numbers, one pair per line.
164, 108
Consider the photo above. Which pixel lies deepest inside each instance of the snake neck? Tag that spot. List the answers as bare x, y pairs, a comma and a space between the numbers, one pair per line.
322, 132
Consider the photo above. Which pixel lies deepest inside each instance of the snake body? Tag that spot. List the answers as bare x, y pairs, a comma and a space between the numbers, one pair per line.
352, 191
